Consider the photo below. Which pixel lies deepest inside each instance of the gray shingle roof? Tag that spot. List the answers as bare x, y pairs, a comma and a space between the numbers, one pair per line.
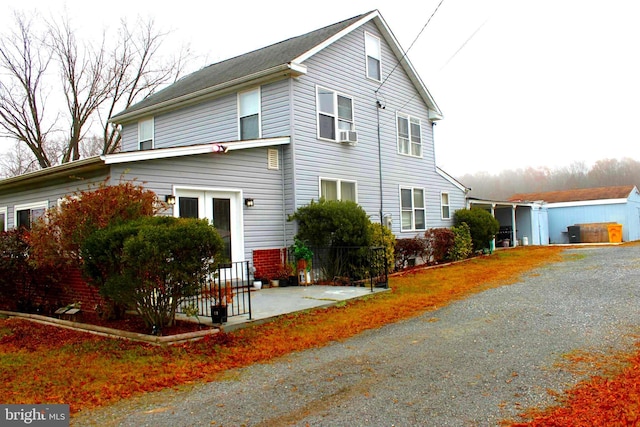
247, 64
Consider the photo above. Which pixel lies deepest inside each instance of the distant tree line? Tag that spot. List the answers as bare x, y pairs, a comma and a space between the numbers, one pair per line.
604, 173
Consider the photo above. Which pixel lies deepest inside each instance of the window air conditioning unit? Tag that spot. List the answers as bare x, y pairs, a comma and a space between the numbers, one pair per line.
349, 136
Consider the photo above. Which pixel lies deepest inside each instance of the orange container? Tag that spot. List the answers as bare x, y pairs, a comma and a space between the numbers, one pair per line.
615, 233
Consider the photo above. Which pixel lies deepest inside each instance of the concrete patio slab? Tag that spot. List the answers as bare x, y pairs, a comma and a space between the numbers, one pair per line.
272, 302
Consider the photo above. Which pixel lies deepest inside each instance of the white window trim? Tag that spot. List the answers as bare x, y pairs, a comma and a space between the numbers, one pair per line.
408, 117
31, 206
257, 89
4, 210
413, 209
378, 55
442, 205
335, 115
338, 186
153, 132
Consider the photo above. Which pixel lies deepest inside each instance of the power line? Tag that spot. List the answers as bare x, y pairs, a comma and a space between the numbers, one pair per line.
404, 55
463, 45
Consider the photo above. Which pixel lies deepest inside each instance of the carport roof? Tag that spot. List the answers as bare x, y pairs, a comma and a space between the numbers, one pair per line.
577, 195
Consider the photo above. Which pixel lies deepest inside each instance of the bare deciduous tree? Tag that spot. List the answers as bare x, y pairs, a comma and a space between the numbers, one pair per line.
22, 92
18, 161
97, 81
137, 72
85, 82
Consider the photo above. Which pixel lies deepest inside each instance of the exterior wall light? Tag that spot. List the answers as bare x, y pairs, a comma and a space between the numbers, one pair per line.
170, 199
248, 203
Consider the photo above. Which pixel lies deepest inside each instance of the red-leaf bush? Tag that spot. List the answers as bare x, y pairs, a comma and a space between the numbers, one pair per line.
407, 250
25, 285
439, 242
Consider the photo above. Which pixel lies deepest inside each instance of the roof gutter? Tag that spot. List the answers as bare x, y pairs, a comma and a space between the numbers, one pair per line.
293, 69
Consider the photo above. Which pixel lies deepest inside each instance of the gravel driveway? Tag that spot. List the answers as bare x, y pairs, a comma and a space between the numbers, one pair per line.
472, 363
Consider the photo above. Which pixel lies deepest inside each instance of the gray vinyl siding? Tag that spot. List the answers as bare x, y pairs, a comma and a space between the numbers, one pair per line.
49, 193
203, 123
244, 170
341, 67
215, 120
129, 137
275, 109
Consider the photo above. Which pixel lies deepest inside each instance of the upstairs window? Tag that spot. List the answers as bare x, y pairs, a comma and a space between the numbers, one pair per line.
412, 209
444, 203
374, 57
409, 136
249, 114
335, 114
145, 134
335, 189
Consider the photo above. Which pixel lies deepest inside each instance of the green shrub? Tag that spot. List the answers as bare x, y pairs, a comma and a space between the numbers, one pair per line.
382, 237
152, 263
332, 223
462, 243
340, 235
482, 226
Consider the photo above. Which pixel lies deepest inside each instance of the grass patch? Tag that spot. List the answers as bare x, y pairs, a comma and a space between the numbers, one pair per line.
86, 371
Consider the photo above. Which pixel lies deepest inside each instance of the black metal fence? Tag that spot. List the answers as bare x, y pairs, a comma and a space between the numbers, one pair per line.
226, 293
354, 266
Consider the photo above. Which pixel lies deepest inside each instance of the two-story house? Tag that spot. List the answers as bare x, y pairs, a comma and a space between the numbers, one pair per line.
338, 113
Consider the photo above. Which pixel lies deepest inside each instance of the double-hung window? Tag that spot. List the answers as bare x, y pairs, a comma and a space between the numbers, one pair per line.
409, 135
444, 204
249, 114
145, 134
25, 215
335, 113
335, 189
374, 56
412, 209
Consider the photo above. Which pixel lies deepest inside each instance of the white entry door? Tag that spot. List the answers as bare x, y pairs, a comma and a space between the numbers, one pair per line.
222, 208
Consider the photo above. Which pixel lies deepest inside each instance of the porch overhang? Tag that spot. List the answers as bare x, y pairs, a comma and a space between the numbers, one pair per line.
214, 147
75, 170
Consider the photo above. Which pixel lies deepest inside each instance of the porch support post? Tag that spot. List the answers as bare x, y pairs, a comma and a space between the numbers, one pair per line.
513, 225
493, 214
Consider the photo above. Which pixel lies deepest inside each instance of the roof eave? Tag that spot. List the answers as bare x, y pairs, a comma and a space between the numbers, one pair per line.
64, 170
291, 69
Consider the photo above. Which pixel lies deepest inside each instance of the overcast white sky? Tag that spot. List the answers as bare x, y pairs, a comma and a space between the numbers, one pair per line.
520, 82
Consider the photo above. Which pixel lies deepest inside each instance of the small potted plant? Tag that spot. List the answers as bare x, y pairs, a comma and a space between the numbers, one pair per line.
303, 256
222, 297
259, 278
283, 273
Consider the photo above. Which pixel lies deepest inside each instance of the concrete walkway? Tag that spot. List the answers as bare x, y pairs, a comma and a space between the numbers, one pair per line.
271, 302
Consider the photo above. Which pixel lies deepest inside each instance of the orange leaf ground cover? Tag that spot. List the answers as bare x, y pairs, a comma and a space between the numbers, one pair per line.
609, 398
41, 363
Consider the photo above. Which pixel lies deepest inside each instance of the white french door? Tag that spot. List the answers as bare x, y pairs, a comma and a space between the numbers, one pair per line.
222, 208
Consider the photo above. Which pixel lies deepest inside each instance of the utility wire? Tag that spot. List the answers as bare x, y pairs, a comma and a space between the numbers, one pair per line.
404, 55
463, 45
